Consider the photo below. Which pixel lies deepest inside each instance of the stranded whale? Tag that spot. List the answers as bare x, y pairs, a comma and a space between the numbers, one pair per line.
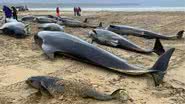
128, 30
66, 44
109, 38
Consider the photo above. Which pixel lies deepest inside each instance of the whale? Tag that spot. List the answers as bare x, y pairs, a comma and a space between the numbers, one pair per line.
71, 22
51, 27
108, 38
129, 30
28, 18
44, 19
52, 43
76, 23
56, 87
15, 29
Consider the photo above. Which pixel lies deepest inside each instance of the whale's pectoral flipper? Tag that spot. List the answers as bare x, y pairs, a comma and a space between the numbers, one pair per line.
49, 51
161, 66
158, 47
92, 41
180, 34
113, 43
44, 90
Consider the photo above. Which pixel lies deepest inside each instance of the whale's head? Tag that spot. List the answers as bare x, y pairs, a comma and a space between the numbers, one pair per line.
34, 82
92, 34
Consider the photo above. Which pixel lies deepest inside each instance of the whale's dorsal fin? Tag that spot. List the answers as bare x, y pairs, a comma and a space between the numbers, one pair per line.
100, 25
158, 47
86, 20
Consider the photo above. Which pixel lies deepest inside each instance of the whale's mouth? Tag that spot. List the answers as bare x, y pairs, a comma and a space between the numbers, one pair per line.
38, 40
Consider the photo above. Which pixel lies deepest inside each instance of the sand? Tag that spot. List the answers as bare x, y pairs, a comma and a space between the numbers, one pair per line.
21, 58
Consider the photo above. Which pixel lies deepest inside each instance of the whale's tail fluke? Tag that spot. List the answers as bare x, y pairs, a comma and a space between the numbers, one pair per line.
180, 34
158, 47
161, 66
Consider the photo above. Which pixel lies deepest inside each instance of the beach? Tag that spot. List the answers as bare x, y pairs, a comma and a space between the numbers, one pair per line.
22, 58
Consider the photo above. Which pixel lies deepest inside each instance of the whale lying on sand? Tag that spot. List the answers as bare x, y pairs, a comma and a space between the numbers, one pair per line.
56, 87
16, 29
51, 27
71, 22
44, 19
109, 38
77, 23
28, 18
71, 46
128, 30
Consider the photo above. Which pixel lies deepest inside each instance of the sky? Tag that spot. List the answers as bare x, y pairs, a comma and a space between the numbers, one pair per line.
71, 1
142, 2
97, 1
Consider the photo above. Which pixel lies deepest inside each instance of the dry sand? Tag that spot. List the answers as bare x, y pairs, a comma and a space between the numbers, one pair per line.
21, 58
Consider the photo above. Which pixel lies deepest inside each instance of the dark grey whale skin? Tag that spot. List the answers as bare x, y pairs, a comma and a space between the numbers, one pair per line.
128, 30
70, 22
67, 44
106, 37
28, 18
15, 29
75, 23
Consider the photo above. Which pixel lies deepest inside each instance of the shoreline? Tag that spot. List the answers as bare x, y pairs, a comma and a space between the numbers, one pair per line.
127, 9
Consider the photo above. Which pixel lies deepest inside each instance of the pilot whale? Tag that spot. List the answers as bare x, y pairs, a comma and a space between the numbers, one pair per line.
128, 30
109, 38
16, 29
51, 27
71, 22
60, 42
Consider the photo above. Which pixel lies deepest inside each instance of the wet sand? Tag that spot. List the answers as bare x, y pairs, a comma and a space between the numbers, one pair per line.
21, 58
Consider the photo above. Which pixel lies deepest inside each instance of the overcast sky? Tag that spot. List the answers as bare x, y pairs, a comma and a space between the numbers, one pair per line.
97, 1
141, 2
